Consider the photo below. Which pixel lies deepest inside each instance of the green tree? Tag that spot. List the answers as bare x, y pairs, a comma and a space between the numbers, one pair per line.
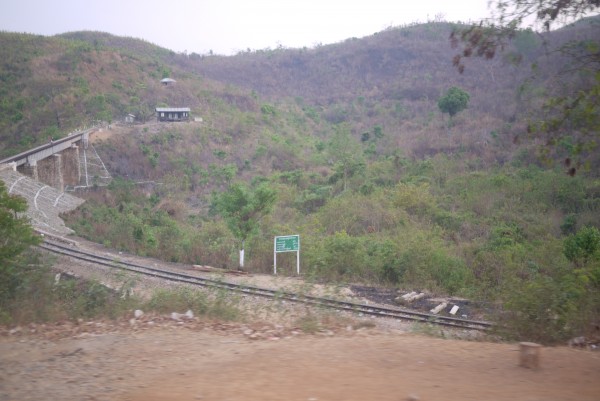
16, 236
242, 208
454, 101
346, 153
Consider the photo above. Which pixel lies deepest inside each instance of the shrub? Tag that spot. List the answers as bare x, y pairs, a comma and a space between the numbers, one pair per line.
414, 198
344, 257
383, 259
358, 214
166, 301
16, 237
221, 305
430, 266
580, 247
505, 235
545, 309
569, 224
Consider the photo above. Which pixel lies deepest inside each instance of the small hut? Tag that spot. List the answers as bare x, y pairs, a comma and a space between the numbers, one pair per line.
167, 81
173, 113
129, 118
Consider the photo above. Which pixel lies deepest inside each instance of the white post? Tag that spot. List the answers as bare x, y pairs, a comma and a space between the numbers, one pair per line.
275, 255
242, 256
298, 258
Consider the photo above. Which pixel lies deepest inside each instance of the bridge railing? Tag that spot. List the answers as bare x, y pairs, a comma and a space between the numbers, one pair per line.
49, 148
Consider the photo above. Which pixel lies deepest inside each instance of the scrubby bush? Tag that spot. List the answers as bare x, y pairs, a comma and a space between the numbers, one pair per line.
583, 246
86, 299
218, 304
167, 301
16, 236
425, 262
549, 308
341, 257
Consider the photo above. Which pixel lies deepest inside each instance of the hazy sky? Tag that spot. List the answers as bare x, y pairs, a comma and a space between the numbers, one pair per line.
228, 26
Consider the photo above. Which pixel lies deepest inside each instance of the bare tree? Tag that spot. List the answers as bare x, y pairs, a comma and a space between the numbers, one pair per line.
572, 117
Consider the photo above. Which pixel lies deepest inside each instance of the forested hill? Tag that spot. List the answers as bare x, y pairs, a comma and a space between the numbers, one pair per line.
54, 84
408, 63
353, 149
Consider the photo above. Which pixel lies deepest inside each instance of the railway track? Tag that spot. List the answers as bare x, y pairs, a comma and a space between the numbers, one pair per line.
357, 308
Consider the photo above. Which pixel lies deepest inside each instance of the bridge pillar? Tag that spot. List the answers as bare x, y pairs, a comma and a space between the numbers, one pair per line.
30, 169
50, 171
71, 169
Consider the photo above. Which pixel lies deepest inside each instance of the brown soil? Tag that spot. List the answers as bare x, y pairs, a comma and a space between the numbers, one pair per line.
104, 133
379, 368
222, 363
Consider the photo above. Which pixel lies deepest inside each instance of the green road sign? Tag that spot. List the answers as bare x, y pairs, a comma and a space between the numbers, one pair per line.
287, 243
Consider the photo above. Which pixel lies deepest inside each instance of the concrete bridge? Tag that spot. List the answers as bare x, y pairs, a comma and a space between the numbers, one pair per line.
64, 164
42, 175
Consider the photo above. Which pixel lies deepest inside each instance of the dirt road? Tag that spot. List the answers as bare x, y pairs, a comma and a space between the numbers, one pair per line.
222, 363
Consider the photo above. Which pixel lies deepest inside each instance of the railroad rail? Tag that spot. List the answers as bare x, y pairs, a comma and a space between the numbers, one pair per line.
394, 313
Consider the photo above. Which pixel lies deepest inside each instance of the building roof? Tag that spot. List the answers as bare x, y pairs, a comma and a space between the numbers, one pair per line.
172, 109
167, 80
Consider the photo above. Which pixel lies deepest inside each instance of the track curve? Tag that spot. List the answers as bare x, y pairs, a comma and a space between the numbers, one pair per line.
395, 313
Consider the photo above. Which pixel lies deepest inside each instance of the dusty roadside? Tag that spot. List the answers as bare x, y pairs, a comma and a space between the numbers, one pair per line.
216, 361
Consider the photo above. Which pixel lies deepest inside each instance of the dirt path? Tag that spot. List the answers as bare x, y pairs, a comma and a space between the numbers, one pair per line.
173, 363
390, 367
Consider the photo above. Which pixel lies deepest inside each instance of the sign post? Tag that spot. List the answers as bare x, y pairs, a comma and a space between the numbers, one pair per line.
286, 243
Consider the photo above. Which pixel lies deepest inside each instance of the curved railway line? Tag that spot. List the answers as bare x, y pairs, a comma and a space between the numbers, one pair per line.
394, 313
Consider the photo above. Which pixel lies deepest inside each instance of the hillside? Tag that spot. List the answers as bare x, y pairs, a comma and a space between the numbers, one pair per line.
54, 85
382, 187
391, 79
